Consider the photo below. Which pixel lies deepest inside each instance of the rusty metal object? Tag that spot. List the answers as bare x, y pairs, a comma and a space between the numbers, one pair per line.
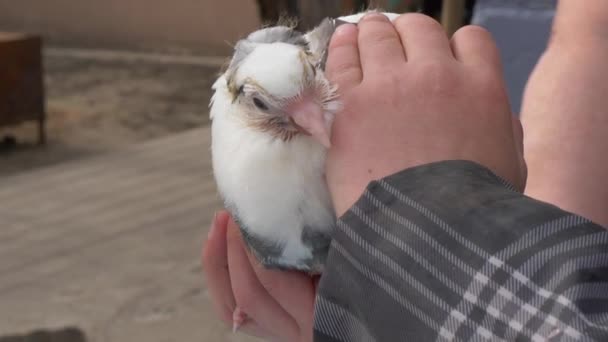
21, 81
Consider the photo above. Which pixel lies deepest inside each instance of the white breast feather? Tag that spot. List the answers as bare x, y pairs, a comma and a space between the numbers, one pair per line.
277, 185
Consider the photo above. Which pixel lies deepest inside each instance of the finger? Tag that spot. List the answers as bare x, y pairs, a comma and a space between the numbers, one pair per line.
380, 48
422, 37
294, 291
343, 66
473, 45
251, 328
251, 296
238, 318
215, 267
248, 326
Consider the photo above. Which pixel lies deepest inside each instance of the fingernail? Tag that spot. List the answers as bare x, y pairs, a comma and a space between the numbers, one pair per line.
238, 318
212, 228
374, 16
344, 29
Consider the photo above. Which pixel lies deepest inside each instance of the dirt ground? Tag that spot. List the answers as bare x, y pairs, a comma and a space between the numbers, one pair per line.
97, 105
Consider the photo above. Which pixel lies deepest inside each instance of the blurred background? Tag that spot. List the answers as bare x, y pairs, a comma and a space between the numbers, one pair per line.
106, 189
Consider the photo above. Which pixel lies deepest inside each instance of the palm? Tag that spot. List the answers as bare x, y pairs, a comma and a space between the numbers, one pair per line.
276, 304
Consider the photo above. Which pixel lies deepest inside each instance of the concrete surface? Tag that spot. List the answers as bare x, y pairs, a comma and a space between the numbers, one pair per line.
109, 246
204, 26
521, 29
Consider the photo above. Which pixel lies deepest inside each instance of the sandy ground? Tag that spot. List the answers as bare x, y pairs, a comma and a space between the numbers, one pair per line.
95, 105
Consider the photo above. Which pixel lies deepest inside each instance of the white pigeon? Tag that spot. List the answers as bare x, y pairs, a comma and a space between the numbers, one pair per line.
271, 113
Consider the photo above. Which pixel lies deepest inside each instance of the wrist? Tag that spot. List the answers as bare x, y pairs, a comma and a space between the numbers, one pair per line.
427, 180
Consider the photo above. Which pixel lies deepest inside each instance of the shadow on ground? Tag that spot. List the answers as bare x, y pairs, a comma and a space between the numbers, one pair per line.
68, 334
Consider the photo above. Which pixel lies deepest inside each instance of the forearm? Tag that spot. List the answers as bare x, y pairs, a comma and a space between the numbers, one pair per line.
565, 119
447, 249
565, 115
581, 23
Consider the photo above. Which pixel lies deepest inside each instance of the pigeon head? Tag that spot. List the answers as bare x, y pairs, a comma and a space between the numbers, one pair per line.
276, 81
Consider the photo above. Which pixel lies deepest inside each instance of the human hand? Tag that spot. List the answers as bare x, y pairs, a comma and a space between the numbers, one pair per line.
276, 305
413, 97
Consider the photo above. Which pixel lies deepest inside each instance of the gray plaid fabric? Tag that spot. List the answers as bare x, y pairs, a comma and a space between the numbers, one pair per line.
449, 252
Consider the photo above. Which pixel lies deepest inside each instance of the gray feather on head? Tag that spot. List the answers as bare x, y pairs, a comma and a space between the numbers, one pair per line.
319, 38
316, 41
242, 49
276, 34
268, 35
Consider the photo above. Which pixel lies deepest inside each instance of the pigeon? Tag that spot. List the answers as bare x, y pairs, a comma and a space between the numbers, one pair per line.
271, 115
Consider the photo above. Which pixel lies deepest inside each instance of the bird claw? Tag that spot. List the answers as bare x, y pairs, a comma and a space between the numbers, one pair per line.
238, 319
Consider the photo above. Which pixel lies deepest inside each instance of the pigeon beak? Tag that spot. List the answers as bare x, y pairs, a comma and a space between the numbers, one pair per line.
308, 116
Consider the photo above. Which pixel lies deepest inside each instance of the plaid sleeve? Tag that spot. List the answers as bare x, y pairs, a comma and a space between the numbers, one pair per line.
449, 252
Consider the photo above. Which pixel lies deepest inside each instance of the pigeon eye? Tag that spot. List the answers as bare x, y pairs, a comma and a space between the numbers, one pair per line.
259, 104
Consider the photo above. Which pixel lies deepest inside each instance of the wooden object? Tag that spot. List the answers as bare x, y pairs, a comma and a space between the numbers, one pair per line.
312, 12
452, 15
21, 81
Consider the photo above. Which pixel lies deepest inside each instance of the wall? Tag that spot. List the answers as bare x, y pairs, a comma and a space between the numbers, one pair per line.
204, 26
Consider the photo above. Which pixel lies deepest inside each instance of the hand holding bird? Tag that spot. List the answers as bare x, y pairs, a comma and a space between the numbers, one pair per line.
272, 304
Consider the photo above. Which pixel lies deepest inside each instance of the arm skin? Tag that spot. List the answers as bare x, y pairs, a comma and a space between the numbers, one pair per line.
565, 113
